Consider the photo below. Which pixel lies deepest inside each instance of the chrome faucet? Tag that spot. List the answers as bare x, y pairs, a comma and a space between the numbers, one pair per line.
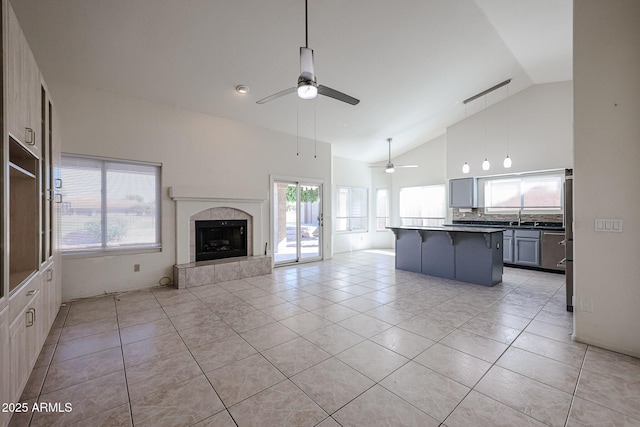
519, 217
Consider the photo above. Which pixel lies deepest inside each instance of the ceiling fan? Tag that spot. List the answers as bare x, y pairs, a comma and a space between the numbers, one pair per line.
390, 167
308, 87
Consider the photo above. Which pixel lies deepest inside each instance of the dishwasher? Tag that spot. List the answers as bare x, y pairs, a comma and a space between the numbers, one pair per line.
553, 250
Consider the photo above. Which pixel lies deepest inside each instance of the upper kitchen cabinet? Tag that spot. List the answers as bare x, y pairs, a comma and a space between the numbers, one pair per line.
463, 193
23, 87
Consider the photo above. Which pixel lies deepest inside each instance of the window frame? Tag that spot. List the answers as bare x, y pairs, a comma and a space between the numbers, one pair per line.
387, 209
522, 208
427, 221
104, 247
365, 217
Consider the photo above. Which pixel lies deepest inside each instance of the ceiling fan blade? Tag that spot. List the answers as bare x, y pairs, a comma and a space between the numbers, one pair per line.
406, 166
276, 95
332, 93
307, 70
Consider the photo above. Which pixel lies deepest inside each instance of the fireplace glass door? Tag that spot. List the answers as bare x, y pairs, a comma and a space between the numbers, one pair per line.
297, 222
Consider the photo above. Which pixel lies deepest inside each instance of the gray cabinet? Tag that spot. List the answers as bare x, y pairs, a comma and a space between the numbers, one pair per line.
463, 193
526, 249
507, 246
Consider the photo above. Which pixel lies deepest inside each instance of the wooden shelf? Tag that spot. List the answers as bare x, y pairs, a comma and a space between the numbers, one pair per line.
18, 172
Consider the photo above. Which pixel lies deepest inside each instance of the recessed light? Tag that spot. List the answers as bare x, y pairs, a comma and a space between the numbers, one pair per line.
242, 89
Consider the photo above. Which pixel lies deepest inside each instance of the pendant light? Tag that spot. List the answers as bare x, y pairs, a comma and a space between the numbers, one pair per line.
485, 165
465, 167
507, 160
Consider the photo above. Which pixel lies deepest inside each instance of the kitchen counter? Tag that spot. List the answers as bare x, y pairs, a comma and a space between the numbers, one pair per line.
452, 228
468, 254
512, 225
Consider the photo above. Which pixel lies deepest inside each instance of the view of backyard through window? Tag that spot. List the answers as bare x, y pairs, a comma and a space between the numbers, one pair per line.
423, 206
351, 212
108, 204
296, 204
541, 192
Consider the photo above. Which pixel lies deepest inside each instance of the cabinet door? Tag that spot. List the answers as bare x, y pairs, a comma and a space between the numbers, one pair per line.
50, 302
5, 365
19, 371
23, 84
507, 249
527, 251
16, 115
33, 321
462, 193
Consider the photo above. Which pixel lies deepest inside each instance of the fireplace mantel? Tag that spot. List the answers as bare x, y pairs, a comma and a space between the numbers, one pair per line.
189, 193
192, 200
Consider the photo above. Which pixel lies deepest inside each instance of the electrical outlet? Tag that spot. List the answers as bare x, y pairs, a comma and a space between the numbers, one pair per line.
136, 267
586, 305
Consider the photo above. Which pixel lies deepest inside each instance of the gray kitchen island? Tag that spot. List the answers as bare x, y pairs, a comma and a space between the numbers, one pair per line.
468, 254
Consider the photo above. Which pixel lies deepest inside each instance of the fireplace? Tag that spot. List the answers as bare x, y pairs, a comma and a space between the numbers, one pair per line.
217, 239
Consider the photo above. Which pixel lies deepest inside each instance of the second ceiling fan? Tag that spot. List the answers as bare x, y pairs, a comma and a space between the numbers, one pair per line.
307, 86
390, 167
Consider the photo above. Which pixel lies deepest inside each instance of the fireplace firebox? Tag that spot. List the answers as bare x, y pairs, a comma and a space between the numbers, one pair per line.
217, 239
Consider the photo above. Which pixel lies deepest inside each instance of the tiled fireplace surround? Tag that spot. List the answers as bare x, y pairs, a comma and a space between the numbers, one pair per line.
189, 209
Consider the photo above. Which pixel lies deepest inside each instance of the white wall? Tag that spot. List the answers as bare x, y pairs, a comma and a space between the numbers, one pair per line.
191, 147
352, 173
431, 159
606, 173
538, 122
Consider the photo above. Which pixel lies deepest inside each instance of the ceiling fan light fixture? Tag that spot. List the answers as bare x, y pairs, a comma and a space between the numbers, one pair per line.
390, 168
307, 90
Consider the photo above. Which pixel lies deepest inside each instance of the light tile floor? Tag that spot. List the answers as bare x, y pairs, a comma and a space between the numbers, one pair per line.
349, 342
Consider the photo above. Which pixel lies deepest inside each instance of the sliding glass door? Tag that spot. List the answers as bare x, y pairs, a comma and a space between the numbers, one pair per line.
297, 221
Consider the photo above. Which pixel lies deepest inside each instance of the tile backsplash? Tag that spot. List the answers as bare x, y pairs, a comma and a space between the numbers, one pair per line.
478, 214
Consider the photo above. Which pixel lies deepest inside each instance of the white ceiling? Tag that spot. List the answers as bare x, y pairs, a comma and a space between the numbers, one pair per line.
410, 62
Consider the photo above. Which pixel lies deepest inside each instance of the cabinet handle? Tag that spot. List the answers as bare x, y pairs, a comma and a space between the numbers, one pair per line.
32, 292
563, 242
49, 275
49, 194
31, 317
58, 183
58, 198
30, 136
562, 262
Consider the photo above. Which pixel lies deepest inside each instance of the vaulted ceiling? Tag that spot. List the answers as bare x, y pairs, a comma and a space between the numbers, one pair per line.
410, 62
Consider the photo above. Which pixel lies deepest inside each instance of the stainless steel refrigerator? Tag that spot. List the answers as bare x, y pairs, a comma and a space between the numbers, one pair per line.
568, 226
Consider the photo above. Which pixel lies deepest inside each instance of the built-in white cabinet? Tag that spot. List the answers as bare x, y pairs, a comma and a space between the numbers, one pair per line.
5, 364
23, 86
30, 294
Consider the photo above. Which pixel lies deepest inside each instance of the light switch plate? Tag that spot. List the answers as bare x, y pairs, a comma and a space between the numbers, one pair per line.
609, 225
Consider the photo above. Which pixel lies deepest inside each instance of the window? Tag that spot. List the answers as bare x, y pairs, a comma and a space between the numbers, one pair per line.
109, 204
533, 193
351, 209
382, 209
422, 206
